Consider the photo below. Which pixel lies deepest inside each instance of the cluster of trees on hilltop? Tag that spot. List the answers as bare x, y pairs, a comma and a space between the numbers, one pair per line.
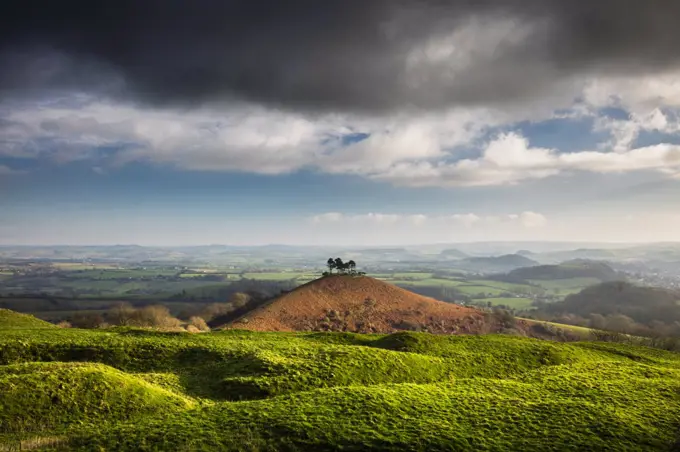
342, 268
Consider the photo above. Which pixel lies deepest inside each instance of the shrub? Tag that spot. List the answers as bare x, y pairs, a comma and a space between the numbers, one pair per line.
198, 323
240, 299
215, 310
64, 324
156, 316
121, 314
505, 318
87, 320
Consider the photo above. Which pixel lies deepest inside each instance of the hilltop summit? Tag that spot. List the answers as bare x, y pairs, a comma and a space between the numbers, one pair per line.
363, 304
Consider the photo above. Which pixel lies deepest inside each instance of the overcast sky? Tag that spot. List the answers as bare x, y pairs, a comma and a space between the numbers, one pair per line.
339, 122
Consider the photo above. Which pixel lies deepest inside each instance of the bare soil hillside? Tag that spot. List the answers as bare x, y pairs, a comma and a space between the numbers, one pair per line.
367, 305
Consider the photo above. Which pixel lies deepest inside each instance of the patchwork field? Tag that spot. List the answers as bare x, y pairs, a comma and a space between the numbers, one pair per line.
511, 302
566, 286
234, 390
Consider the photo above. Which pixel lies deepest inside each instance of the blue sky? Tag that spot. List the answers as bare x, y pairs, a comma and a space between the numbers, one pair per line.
511, 147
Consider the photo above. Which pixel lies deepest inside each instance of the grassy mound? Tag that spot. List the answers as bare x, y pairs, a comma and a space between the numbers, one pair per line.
473, 414
242, 390
10, 319
50, 396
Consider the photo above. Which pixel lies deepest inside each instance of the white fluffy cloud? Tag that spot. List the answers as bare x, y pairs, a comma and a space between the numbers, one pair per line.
510, 159
427, 149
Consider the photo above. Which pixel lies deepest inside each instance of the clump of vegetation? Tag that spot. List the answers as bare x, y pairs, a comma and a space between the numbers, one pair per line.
155, 316
84, 319
198, 323
342, 268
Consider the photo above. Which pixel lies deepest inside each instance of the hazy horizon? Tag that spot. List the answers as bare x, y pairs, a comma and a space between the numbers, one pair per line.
563, 244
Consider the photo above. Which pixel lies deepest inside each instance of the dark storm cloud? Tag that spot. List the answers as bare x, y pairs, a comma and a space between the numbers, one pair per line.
320, 54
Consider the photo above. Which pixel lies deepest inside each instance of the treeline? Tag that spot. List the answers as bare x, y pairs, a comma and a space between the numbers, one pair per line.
256, 289
217, 293
158, 316
126, 315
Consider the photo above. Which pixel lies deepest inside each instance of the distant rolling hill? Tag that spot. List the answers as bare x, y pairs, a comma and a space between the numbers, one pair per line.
567, 270
496, 264
452, 253
642, 304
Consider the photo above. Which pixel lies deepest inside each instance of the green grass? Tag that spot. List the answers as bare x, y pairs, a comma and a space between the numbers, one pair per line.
413, 275
80, 266
126, 389
429, 282
122, 273
515, 303
273, 276
508, 287
566, 286
476, 290
578, 329
14, 320
39, 396
469, 287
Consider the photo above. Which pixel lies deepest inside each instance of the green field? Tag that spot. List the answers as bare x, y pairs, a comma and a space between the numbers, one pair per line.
478, 290
514, 303
506, 286
274, 276
234, 390
225, 276
566, 286
123, 273
412, 275
83, 266
428, 282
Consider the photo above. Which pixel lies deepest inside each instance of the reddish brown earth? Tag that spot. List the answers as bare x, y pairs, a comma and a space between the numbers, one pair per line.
366, 305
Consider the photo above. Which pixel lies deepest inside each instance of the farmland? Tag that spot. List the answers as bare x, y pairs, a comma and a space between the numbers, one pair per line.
96, 286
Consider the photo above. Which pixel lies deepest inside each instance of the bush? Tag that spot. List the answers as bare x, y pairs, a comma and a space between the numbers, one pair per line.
87, 320
156, 316
64, 324
505, 318
215, 310
198, 323
121, 314
239, 299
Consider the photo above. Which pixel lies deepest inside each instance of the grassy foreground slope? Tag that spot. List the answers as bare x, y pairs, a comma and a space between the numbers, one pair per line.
15, 320
238, 390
